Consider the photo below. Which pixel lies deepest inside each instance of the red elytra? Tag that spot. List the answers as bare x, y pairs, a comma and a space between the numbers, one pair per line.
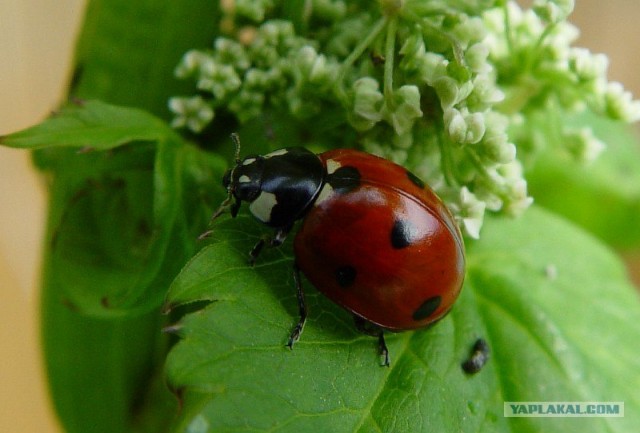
387, 250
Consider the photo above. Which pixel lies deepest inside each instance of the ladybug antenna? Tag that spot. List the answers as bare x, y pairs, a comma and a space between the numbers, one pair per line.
236, 140
227, 203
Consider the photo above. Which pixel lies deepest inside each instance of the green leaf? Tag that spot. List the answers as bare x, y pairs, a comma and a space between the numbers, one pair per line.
100, 369
127, 52
122, 235
603, 197
122, 223
114, 230
97, 368
114, 212
120, 231
554, 305
562, 317
91, 125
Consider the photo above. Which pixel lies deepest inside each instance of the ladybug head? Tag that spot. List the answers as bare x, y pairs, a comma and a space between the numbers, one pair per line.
279, 186
244, 180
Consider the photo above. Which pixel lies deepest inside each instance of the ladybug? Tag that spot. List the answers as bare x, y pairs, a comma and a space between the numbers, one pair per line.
374, 238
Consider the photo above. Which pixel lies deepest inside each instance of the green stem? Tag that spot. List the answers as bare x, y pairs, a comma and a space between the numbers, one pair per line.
500, 191
519, 95
456, 48
534, 53
389, 53
446, 160
356, 53
507, 27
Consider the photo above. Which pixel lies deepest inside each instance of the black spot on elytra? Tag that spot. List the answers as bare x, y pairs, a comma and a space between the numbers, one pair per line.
415, 180
402, 234
345, 276
427, 308
344, 179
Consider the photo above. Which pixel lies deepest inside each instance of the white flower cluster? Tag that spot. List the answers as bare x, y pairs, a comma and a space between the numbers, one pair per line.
450, 89
481, 171
192, 112
534, 47
238, 77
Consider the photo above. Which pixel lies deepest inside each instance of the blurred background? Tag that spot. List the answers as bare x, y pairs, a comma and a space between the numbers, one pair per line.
36, 51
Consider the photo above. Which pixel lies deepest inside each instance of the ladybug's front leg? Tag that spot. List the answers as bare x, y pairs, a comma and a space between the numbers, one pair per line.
226, 204
297, 331
273, 241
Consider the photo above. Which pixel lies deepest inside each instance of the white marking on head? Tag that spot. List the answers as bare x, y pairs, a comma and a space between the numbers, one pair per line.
262, 206
244, 179
332, 166
248, 161
277, 153
325, 193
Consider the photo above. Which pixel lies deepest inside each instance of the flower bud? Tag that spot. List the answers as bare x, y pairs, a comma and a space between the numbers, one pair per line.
553, 11
367, 104
192, 112
583, 145
406, 109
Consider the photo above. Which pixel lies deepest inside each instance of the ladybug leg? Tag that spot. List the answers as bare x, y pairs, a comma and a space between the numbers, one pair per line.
297, 330
382, 348
235, 208
226, 204
229, 203
273, 241
368, 328
257, 248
